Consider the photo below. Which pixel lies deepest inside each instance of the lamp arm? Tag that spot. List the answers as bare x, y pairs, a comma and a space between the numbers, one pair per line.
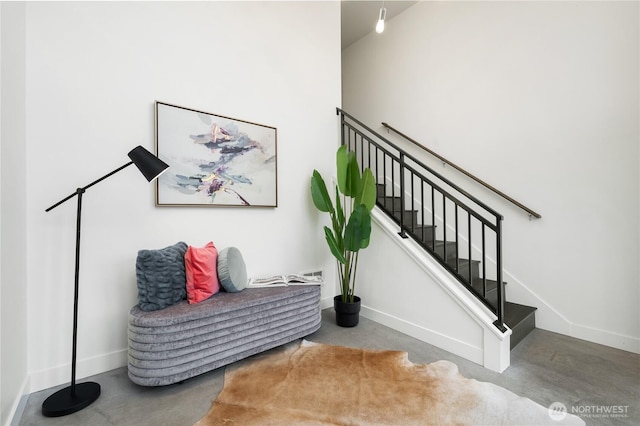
80, 190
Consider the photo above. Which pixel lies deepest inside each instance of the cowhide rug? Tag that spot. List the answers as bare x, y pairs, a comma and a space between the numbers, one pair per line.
318, 384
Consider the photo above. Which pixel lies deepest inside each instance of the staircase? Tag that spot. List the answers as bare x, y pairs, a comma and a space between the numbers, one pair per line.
459, 231
519, 318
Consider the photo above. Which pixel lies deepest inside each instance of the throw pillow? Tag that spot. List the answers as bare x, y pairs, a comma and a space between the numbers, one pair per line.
202, 276
161, 277
232, 271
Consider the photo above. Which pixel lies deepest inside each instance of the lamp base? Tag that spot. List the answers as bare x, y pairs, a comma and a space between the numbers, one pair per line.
63, 403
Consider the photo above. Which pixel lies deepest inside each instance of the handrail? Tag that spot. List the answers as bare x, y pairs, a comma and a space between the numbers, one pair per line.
463, 171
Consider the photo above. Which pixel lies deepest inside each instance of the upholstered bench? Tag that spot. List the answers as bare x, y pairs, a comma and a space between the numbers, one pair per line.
185, 340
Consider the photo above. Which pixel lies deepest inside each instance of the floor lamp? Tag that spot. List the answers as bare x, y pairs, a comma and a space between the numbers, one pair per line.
78, 396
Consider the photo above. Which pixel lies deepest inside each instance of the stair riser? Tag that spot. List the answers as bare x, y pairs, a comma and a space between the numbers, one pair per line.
424, 233
520, 331
450, 249
491, 297
410, 218
477, 286
391, 203
463, 269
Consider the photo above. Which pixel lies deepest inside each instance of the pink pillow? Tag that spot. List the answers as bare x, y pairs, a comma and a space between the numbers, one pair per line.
201, 271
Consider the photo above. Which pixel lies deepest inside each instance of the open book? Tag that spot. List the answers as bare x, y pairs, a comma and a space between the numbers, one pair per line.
285, 280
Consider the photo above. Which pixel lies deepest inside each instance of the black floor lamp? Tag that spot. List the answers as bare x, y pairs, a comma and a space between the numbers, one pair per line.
78, 396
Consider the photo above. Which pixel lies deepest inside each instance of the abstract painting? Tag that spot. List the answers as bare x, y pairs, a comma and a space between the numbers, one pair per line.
214, 160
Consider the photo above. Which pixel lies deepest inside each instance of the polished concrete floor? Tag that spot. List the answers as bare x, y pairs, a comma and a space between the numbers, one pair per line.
590, 380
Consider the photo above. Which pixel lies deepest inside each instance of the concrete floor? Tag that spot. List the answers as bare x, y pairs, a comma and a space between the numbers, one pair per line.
587, 378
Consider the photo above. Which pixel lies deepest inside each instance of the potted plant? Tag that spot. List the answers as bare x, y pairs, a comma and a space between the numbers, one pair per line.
355, 196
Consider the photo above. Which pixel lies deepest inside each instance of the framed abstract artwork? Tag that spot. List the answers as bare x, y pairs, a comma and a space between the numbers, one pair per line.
214, 160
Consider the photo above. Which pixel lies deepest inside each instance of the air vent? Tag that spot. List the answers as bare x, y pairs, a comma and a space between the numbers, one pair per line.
316, 273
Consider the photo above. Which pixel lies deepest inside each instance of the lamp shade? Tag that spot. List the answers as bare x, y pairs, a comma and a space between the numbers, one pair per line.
148, 164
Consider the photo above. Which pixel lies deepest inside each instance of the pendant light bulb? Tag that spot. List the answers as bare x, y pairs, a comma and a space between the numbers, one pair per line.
381, 17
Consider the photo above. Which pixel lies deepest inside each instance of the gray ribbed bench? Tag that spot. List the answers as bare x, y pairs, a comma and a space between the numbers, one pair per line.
182, 341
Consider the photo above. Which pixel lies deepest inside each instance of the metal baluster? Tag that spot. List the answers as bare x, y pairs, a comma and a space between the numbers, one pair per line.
402, 195
444, 227
413, 209
484, 263
433, 217
455, 206
500, 284
469, 248
422, 208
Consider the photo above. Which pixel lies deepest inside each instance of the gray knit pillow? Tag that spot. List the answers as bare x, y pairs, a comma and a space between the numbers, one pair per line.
232, 272
161, 277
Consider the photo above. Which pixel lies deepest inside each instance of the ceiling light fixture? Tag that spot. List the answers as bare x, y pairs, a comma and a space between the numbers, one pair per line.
381, 17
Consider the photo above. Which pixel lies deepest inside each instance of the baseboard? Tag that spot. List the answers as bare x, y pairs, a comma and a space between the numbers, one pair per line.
59, 375
20, 402
434, 338
548, 318
607, 338
327, 302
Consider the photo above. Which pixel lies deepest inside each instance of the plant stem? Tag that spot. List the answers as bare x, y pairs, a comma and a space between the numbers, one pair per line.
353, 285
347, 277
341, 272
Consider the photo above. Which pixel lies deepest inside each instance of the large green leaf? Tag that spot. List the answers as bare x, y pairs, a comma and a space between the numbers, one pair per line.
319, 193
337, 252
342, 169
358, 229
348, 172
339, 210
339, 227
353, 176
368, 193
366, 227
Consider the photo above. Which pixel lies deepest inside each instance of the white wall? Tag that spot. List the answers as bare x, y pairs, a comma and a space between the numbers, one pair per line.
94, 71
540, 99
13, 271
399, 296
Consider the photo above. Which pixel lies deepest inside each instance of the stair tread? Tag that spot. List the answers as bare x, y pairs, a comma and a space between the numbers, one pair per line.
514, 313
462, 262
491, 285
439, 244
423, 233
424, 226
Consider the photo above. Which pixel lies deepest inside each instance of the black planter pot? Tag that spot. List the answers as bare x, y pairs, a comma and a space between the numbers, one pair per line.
347, 313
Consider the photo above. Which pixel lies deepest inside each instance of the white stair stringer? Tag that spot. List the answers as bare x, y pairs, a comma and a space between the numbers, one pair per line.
464, 327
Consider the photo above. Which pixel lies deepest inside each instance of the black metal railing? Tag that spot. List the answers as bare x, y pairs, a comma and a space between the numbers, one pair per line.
461, 232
